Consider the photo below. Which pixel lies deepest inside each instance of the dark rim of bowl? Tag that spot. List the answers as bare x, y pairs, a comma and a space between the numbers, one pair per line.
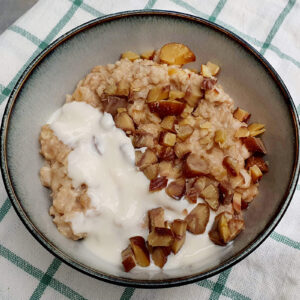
127, 281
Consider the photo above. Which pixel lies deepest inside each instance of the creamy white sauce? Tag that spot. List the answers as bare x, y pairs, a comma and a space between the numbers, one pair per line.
103, 158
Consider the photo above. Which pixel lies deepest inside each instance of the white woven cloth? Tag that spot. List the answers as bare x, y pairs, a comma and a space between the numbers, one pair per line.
27, 270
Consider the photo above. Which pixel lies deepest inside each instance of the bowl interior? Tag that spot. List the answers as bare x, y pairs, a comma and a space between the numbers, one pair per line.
242, 76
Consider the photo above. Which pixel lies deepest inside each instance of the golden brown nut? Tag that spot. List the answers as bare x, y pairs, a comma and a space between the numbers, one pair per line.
241, 115
232, 165
200, 184
254, 145
161, 237
148, 158
128, 259
175, 94
149, 54
140, 251
167, 139
195, 165
176, 54
156, 217
213, 68
167, 154
198, 218
158, 184
223, 229
151, 172
168, 123
143, 140
256, 160
192, 96
256, 129
179, 229
219, 233
130, 55
123, 88
181, 149
220, 136
124, 121
255, 173
166, 107
158, 93
211, 196
235, 227
160, 255
242, 132
176, 188
237, 202
184, 131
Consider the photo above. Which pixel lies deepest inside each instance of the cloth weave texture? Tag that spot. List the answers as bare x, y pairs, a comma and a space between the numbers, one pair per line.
28, 271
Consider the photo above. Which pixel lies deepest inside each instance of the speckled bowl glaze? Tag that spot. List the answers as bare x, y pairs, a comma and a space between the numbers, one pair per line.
246, 76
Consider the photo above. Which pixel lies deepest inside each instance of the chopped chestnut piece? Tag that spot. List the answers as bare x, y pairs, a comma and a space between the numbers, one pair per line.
235, 227
198, 218
219, 233
237, 202
158, 184
161, 237
143, 140
179, 229
168, 123
213, 68
166, 107
130, 55
225, 194
167, 154
254, 145
181, 149
147, 159
241, 115
176, 188
232, 165
223, 229
124, 121
255, 173
112, 103
256, 160
211, 196
151, 172
149, 54
156, 218
160, 255
140, 251
192, 96
184, 131
175, 94
158, 93
208, 83
123, 88
242, 132
128, 259
192, 195
256, 129
176, 54
220, 136
195, 165
167, 139
200, 184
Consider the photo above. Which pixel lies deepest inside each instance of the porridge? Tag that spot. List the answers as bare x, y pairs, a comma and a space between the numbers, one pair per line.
148, 161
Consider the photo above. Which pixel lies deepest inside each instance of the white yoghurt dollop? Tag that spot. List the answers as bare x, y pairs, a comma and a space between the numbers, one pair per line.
103, 158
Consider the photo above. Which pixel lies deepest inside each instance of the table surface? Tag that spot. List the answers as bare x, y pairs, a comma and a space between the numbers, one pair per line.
11, 10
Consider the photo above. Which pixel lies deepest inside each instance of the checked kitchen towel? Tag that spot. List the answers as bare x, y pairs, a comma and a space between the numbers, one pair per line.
27, 270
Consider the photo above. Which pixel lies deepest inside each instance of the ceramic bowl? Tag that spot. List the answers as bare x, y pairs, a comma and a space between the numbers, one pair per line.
245, 75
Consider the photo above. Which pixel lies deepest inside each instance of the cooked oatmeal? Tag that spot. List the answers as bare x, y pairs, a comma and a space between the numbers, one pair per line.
190, 142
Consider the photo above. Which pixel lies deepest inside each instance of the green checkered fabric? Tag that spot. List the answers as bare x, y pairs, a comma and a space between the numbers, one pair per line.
272, 272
